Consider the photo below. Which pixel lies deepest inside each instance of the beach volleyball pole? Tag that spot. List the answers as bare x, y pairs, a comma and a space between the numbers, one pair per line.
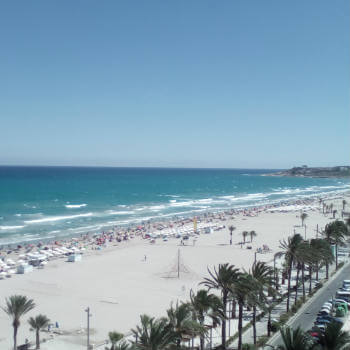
88, 327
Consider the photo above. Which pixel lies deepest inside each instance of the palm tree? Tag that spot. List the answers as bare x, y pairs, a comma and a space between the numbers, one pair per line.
116, 339
153, 334
335, 233
180, 318
303, 217
302, 257
334, 338
320, 255
204, 305
16, 307
261, 275
222, 279
289, 251
252, 234
231, 228
244, 234
38, 323
294, 340
242, 290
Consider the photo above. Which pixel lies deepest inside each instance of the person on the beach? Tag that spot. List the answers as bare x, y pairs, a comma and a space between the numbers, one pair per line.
145, 258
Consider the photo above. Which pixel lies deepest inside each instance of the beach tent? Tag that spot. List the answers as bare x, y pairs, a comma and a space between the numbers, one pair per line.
74, 257
24, 268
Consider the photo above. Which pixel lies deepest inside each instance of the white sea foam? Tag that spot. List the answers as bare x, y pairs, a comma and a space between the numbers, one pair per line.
120, 212
182, 204
57, 218
205, 200
157, 207
74, 206
10, 227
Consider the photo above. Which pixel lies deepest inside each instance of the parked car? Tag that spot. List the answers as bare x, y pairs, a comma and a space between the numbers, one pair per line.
323, 312
342, 301
321, 326
322, 321
330, 318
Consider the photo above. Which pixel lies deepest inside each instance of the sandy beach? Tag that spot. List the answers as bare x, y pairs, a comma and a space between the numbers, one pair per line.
126, 279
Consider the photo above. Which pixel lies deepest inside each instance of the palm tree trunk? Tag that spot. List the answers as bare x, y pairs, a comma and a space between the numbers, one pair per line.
296, 285
240, 322
303, 278
234, 305
336, 256
327, 271
288, 288
254, 324
269, 323
317, 268
223, 325
15, 328
310, 282
201, 338
37, 339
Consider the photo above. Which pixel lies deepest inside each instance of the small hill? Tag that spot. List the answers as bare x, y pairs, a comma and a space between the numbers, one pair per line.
305, 171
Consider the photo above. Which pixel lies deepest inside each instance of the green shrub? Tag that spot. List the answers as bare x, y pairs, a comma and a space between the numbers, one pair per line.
275, 326
284, 317
340, 265
262, 340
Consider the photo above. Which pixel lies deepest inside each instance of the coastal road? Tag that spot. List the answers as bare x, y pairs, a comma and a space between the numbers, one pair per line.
306, 318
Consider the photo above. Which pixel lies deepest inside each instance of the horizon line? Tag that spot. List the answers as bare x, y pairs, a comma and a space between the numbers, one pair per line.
130, 167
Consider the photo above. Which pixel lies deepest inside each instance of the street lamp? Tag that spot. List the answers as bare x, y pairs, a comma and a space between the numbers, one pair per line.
88, 327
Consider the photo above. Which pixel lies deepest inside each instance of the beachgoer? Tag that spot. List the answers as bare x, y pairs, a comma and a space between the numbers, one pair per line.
145, 257
57, 326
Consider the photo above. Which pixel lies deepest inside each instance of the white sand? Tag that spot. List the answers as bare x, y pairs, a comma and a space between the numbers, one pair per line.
118, 285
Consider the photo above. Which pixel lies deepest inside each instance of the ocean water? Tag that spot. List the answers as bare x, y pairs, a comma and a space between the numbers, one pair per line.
46, 202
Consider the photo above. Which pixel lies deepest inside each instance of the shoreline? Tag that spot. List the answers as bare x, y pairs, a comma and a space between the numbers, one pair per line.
118, 284
67, 238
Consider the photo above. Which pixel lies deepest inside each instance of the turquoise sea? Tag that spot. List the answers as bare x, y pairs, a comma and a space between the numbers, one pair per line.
46, 202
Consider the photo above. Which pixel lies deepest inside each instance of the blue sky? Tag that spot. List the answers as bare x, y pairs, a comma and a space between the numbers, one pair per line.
255, 84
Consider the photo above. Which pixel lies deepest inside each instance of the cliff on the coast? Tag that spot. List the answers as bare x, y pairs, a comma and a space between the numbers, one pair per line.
305, 171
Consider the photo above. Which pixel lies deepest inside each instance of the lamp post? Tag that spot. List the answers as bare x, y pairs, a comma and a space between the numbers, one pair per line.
88, 327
